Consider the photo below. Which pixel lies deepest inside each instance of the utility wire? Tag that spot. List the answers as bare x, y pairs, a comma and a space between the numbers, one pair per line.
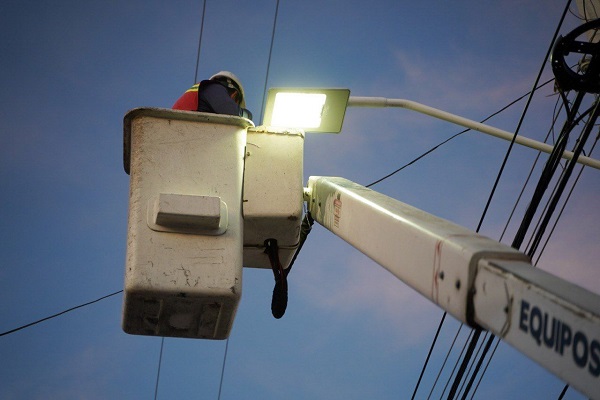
445, 360
472, 364
475, 337
162, 343
484, 353
223, 369
423, 155
522, 118
269, 60
200, 41
261, 114
563, 206
547, 239
564, 391
456, 364
60, 313
526, 183
457, 134
429, 354
539, 256
486, 367
464, 364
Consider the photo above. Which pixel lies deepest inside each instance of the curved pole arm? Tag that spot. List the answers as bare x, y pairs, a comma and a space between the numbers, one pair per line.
355, 101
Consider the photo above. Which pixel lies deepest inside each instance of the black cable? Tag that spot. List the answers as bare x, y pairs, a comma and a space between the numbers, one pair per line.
556, 192
500, 172
534, 164
472, 363
417, 159
458, 134
60, 313
305, 228
464, 364
565, 177
522, 118
431, 150
486, 367
429, 354
548, 172
564, 391
269, 61
261, 113
445, 360
200, 41
223, 369
162, 343
564, 205
478, 366
457, 361
539, 256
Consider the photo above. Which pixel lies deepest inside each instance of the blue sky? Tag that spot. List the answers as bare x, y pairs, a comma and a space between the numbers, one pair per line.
72, 69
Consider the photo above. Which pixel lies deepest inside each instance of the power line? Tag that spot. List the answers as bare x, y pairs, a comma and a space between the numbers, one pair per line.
564, 391
261, 114
445, 361
60, 313
162, 343
200, 41
429, 354
457, 360
564, 205
223, 369
269, 60
430, 151
542, 250
516, 243
550, 130
457, 134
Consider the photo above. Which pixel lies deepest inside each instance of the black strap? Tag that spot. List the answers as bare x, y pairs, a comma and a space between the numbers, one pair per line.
280, 291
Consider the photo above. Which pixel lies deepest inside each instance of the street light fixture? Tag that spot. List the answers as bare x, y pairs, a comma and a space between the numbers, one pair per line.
307, 109
313, 110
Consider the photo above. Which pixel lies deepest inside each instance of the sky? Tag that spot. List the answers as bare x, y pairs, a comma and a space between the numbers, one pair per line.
72, 69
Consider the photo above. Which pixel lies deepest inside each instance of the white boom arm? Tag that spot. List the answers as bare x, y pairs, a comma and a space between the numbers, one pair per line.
481, 282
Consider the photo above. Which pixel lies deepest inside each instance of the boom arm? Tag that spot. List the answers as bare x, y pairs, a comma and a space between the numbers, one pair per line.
478, 280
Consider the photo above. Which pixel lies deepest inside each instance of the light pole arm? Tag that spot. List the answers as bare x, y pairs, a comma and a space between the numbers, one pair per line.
478, 280
355, 101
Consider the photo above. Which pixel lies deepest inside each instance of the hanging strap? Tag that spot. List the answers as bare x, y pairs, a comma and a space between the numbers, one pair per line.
280, 291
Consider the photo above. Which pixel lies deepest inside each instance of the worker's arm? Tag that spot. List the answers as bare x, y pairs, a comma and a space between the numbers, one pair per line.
215, 98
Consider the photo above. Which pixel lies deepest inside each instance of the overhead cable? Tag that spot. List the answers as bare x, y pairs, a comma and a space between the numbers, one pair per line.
60, 313
200, 41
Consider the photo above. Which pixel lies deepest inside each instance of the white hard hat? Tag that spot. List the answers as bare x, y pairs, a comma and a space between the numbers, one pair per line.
233, 82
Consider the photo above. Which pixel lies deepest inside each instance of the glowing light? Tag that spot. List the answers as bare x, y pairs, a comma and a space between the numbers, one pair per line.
298, 110
309, 109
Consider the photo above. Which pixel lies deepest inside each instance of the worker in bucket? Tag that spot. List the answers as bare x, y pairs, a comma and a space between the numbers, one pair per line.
223, 93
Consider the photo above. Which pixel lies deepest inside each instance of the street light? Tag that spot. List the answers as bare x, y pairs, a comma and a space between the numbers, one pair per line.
323, 110
313, 110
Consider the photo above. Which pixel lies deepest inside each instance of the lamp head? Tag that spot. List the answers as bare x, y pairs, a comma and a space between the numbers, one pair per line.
310, 109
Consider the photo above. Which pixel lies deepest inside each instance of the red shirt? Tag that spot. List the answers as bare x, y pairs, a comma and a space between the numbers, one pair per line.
189, 100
